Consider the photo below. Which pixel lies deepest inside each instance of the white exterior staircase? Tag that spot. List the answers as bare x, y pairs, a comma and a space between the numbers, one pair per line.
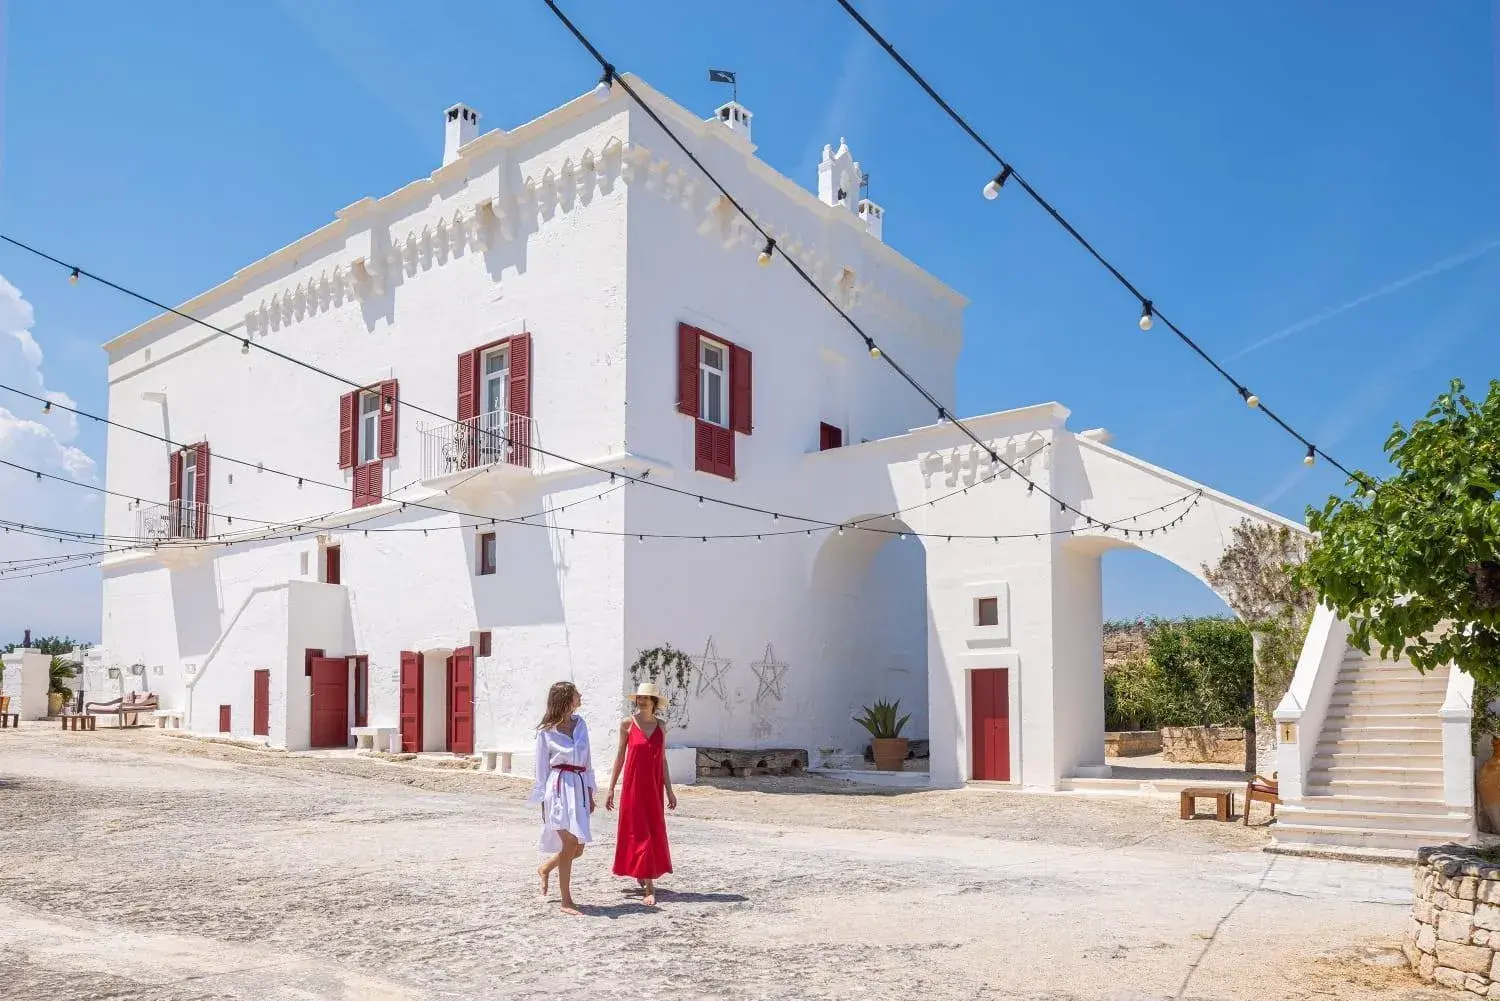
1387, 766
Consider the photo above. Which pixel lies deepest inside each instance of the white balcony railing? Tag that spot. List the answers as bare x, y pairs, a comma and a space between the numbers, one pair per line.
174, 520
497, 439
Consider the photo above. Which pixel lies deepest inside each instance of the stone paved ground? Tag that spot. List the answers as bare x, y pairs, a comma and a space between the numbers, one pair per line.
139, 866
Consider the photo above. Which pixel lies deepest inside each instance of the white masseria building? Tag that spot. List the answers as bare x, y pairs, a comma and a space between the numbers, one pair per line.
577, 300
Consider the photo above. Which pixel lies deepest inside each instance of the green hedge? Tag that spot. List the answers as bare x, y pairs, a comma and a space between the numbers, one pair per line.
1196, 672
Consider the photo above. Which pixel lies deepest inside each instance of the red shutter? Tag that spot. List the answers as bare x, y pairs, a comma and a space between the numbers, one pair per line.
200, 490
724, 452
411, 702
468, 386
687, 369
174, 477
739, 389
703, 446
361, 690
223, 719
346, 429
461, 701
388, 411
520, 400
367, 484
484, 643
830, 437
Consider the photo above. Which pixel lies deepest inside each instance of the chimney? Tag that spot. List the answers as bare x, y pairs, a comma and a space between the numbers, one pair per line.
460, 126
874, 217
736, 118
27, 641
838, 177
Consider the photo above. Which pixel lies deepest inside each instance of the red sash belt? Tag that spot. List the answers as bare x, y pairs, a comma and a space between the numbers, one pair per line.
578, 770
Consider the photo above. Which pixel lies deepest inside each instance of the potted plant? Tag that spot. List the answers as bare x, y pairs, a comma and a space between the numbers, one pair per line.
885, 727
58, 693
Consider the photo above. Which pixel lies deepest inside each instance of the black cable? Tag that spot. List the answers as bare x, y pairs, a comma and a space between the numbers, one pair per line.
1008, 170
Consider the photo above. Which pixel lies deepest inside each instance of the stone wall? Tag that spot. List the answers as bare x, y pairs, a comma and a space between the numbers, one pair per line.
1223, 745
1454, 934
1132, 743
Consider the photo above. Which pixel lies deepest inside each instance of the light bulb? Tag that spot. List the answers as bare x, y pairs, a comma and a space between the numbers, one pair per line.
47, 407
992, 189
1146, 315
1251, 400
841, 529
73, 278
874, 351
601, 92
765, 255
1310, 457
245, 347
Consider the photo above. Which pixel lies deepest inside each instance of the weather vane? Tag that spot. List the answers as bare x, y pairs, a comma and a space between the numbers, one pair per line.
726, 76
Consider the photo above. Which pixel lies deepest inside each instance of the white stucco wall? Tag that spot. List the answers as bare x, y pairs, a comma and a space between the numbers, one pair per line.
25, 681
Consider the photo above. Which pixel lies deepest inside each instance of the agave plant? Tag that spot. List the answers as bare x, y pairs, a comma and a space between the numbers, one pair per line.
882, 721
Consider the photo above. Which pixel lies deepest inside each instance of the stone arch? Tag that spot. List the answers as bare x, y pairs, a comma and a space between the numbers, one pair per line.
868, 630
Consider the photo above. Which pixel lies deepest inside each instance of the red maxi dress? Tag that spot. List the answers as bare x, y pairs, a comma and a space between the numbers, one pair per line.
641, 850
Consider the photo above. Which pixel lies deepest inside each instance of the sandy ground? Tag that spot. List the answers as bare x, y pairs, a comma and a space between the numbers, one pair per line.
140, 866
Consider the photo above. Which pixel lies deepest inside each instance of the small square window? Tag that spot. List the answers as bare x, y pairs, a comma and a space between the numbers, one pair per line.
487, 553
987, 612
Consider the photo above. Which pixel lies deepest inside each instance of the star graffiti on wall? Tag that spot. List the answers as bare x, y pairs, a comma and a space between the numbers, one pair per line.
770, 672
711, 670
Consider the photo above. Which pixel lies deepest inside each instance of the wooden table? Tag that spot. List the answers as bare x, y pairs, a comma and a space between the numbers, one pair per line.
1223, 803
77, 721
8, 720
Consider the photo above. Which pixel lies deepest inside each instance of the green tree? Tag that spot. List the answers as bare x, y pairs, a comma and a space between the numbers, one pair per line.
1413, 563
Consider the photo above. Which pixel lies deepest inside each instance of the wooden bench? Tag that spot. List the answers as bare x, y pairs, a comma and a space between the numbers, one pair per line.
1223, 803
374, 738
9, 720
77, 721
168, 719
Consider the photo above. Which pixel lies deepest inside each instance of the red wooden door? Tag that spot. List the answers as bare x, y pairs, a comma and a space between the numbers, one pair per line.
461, 701
331, 565
330, 702
411, 702
990, 725
224, 719
261, 719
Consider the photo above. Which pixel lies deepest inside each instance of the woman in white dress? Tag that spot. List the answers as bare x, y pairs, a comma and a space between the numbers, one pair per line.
564, 787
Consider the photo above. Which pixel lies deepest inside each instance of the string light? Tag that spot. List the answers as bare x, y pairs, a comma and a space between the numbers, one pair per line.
1251, 400
47, 407
765, 255
602, 89
73, 278
992, 189
874, 351
1310, 457
1146, 312
245, 346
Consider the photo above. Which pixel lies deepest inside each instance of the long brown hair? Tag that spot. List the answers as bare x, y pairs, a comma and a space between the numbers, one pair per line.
559, 704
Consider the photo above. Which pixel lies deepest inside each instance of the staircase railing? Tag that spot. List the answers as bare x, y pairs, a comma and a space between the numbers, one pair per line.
1299, 717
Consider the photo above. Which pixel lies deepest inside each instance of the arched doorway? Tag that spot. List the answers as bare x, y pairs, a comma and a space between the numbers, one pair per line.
869, 633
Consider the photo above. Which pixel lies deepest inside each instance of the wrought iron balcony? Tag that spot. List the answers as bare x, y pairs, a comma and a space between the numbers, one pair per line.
174, 520
498, 439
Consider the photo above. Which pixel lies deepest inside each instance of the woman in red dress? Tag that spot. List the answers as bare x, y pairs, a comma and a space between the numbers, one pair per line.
641, 850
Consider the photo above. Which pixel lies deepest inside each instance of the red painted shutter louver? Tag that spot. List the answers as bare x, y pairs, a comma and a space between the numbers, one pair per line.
830, 437
739, 390
367, 484
346, 429
174, 477
260, 721
461, 701
468, 385
703, 447
724, 452
200, 490
411, 702
520, 400
687, 369
224, 719
389, 409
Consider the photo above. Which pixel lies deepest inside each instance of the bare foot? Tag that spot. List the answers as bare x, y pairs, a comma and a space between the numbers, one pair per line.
649, 899
546, 875
568, 907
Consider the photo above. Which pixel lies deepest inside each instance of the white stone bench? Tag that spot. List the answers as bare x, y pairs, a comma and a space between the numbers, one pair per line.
499, 759
167, 718
682, 764
371, 738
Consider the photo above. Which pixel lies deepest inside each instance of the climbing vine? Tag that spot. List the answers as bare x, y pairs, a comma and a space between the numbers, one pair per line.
671, 670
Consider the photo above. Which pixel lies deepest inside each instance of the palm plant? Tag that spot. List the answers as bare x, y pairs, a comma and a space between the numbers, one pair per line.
59, 674
881, 720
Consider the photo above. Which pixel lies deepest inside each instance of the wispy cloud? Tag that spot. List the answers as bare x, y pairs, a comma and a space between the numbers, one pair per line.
1446, 264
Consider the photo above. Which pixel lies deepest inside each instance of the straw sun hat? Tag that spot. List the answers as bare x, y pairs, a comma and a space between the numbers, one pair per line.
648, 690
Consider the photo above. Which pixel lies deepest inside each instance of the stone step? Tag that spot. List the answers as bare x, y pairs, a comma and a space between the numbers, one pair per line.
1399, 787
1326, 816
1420, 778
1313, 836
1402, 761
1383, 701
1429, 803
1380, 743
1380, 716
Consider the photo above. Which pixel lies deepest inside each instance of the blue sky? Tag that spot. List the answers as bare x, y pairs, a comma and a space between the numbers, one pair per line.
1307, 190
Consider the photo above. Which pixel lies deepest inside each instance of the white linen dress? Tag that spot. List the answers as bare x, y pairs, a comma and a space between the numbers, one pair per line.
563, 795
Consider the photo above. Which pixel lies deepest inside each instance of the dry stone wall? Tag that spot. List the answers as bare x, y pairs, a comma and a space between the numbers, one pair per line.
1454, 934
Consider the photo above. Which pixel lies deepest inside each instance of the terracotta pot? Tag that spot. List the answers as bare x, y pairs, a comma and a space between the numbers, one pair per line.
54, 703
890, 753
1488, 786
